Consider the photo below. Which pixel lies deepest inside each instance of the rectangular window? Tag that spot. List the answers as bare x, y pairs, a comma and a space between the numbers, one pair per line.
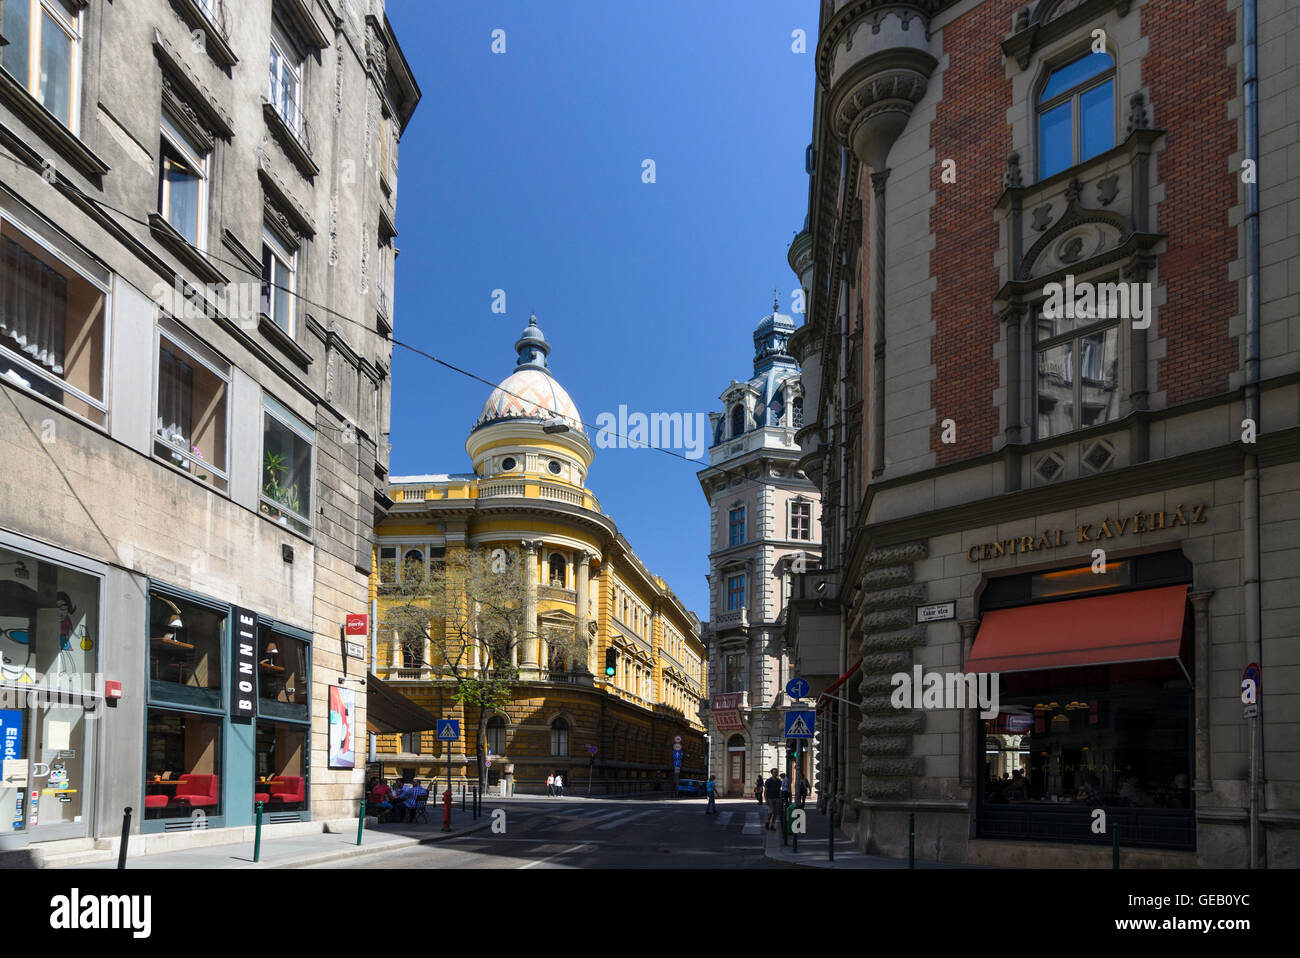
735, 672
42, 53
388, 565
183, 184
279, 267
283, 674
52, 325
191, 419
801, 520
185, 643
1077, 374
736, 526
280, 760
735, 593
287, 444
182, 772
285, 90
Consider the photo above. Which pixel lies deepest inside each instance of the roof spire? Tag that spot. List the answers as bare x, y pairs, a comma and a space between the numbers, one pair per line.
531, 347
776, 303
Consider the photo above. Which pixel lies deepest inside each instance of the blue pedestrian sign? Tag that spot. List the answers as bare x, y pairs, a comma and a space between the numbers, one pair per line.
800, 724
448, 730
797, 688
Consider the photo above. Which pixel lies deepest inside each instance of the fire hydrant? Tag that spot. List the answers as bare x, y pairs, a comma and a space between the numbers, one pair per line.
446, 810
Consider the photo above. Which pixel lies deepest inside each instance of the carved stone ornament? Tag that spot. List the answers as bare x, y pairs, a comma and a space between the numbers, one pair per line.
1108, 189
1011, 178
1042, 217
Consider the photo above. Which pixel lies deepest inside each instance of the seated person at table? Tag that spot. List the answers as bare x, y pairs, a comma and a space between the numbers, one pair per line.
1131, 793
1018, 788
418, 793
403, 800
381, 796
1090, 791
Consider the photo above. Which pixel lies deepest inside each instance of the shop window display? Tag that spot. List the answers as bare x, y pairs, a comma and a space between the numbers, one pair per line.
182, 765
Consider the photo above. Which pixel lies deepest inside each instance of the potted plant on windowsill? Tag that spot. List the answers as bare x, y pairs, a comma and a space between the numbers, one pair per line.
274, 467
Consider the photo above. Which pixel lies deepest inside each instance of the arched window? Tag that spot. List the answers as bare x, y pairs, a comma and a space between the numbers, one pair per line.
559, 570
776, 408
736, 741
560, 737
1076, 113
496, 735
737, 420
413, 653
413, 565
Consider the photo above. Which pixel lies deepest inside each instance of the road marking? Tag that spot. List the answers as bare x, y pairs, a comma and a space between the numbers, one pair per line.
753, 825
589, 820
623, 820
724, 818
567, 851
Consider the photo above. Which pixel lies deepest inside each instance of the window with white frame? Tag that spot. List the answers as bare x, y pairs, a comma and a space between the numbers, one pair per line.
800, 520
191, 415
54, 306
279, 271
285, 79
43, 53
183, 184
287, 447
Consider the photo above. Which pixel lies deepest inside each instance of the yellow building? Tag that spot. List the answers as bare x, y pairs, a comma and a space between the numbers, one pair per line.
530, 455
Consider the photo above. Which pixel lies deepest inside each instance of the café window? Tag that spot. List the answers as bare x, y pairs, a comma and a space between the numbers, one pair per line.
280, 760
182, 765
286, 466
185, 648
42, 53
52, 322
192, 415
283, 674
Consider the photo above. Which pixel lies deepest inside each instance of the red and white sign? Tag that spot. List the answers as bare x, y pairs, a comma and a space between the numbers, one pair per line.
677, 740
358, 623
112, 689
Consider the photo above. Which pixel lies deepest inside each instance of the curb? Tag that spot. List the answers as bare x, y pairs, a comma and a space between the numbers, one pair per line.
357, 851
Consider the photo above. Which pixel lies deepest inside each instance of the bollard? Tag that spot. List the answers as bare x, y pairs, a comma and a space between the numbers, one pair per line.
911, 839
785, 823
462, 796
1114, 848
794, 836
126, 835
830, 831
446, 810
257, 835
361, 818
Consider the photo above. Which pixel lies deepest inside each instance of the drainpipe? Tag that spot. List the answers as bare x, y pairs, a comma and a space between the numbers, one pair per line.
842, 539
1250, 477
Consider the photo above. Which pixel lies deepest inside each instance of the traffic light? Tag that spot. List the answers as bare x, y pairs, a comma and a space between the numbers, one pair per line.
611, 662
791, 751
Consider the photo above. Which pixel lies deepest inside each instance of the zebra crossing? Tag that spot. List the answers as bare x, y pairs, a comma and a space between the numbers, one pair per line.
575, 819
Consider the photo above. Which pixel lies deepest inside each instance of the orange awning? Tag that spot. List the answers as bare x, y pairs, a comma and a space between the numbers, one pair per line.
1142, 626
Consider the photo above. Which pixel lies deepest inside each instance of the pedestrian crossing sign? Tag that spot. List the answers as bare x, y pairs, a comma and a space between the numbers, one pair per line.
448, 730
800, 724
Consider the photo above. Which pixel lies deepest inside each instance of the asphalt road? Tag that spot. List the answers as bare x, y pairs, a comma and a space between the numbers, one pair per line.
598, 833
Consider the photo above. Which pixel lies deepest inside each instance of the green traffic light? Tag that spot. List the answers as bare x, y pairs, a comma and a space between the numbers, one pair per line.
609, 670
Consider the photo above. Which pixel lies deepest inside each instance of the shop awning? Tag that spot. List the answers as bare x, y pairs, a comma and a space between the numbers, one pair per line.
830, 689
388, 710
1142, 626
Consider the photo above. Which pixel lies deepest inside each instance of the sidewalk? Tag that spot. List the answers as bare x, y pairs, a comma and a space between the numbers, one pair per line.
297, 851
812, 849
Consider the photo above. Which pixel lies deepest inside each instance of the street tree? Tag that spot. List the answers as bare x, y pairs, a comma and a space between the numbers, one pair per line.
464, 621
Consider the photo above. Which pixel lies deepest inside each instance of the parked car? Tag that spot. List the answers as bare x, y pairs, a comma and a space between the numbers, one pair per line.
689, 786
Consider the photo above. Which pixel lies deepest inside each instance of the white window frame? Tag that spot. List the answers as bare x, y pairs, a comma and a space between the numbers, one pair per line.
182, 145
281, 252
790, 506
31, 82
290, 65
182, 341
286, 417
81, 264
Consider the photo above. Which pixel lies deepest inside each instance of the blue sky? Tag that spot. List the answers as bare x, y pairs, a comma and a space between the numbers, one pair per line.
522, 171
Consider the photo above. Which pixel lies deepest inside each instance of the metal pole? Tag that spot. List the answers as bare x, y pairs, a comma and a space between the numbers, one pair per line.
462, 796
126, 835
785, 822
911, 839
1114, 848
361, 823
257, 833
830, 830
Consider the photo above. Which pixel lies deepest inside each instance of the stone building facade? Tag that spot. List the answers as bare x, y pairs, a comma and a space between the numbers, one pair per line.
1094, 503
590, 605
197, 206
764, 529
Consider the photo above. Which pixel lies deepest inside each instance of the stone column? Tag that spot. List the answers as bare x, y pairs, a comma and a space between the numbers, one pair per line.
968, 717
1201, 690
582, 572
528, 661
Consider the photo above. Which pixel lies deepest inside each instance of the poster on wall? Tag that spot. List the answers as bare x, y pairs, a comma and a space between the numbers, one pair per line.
343, 705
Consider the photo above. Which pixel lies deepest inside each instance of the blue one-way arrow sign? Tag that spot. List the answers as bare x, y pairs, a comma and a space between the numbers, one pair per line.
448, 730
797, 688
800, 724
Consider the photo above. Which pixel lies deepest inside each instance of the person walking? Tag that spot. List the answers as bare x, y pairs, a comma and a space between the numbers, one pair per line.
758, 789
711, 790
559, 785
550, 785
785, 790
803, 790
772, 793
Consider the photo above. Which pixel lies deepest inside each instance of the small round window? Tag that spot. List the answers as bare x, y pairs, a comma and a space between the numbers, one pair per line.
508, 463
554, 467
